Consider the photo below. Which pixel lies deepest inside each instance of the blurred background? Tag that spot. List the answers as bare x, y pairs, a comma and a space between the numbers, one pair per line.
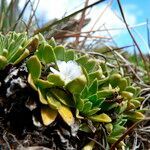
98, 24
115, 29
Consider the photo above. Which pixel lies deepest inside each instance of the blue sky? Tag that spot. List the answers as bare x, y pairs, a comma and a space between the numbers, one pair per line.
136, 12
140, 9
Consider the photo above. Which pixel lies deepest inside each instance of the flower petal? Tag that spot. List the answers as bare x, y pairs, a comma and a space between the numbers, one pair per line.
68, 71
57, 73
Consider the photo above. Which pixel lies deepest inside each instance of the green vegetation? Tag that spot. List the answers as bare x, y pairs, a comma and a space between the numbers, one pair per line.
14, 48
66, 81
101, 104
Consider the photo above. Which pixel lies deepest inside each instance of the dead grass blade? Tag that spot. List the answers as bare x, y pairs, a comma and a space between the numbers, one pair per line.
81, 22
32, 15
21, 14
148, 33
128, 63
49, 26
83, 42
130, 33
130, 129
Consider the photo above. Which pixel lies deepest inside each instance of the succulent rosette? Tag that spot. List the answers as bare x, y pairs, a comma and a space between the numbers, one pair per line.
78, 86
73, 85
14, 48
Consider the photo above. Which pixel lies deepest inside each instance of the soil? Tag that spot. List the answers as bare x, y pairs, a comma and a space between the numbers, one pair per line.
19, 103
17, 130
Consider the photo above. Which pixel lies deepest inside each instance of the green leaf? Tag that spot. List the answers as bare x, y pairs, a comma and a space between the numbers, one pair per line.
104, 69
138, 90
16, 47
77, 85
41, 37
62, 96
66, 115
135, 102
16, 55
43, 84
85, 128
1, 43
48, 115
89, 146
130, 106
86, 75
126, 95
82, 60
31, 82
128, 80
84, 93
90, 65
87, 107
100, 118
77, 115
95, 101
22, 57
80, 104
98, 102
52, 42
42, 96
122, 84
131, 89
93, 87
59, 52
105, 93
103, 82
39, 52
114, 79
92, 111
55, 79
92, 98
3, 62
5, 52
53, 103
112, 139
34, 67
122, 107
117, 131
97, 74
69, 55
109, 127
48, 54
121, 120
140, 99
135, 115
106, 106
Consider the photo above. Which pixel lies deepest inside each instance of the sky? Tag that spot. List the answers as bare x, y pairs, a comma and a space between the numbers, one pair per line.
139, 10
136, 13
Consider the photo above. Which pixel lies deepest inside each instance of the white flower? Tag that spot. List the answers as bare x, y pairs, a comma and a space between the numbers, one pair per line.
68, 71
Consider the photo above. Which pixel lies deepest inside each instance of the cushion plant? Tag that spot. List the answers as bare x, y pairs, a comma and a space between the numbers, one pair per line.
14, 47
75, 86
67, 81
